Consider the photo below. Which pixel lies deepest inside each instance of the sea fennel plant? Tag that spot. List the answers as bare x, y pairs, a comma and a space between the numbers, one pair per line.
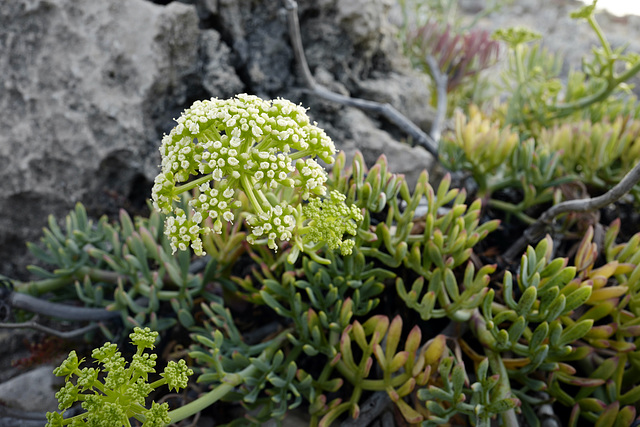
115, 392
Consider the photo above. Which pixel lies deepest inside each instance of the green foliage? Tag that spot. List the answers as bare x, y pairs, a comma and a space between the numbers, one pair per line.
545, 134
115, 392
483, 405
538, 97
334, 342
126, 267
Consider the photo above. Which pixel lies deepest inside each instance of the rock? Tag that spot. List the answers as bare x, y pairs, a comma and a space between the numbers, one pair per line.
12, 349
408, 92
88, 92
32, 391
218, 76
366, 137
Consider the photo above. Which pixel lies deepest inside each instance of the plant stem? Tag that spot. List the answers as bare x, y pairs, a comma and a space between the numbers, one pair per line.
603, 41
62, 311
612, 82
440, 79
503, 388
512, 209
193, 184
49, 285
519, 65
213, 396
249, 191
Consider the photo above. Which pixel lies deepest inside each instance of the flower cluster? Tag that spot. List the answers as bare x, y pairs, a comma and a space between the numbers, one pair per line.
239, 145
278, 223
330, 219
125, 389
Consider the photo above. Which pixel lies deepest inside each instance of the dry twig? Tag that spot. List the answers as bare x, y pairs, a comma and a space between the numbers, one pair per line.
440, 79
538, 229
386, 110
61, 311
370, 410
60, 334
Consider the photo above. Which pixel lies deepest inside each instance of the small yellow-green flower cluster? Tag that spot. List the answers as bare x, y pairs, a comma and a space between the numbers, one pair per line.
244, 144
113, 399
330, 219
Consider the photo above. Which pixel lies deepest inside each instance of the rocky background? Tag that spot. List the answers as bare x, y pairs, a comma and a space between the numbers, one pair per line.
87, 88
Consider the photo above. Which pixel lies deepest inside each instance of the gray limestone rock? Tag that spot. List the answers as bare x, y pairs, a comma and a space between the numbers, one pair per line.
88, 89
32, 391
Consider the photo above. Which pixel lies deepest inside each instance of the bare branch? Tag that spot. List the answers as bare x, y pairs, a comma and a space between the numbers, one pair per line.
440, 79
370, 409
386, 110
50, 331
61, 311
537, 230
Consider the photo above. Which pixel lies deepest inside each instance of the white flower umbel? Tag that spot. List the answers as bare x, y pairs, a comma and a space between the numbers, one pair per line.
225, 147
